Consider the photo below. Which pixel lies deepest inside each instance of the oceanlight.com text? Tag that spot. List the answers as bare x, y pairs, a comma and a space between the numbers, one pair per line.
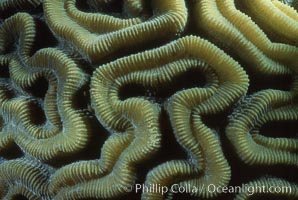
211, 188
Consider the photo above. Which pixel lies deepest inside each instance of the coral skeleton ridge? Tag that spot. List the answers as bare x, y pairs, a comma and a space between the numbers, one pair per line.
98, 96
96, 35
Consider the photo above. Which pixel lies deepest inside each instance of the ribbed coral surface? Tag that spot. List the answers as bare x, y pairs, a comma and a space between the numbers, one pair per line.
122, 99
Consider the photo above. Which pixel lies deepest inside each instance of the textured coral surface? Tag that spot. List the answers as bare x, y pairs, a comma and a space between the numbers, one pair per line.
100, 97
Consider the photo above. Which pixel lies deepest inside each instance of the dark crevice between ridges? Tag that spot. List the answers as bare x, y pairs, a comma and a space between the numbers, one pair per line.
114, 7
8, 92
25, 8
38, 91
11, 47
218, 120
4, 71
240, 6
43, 38
258, 82
13, 151
37, 115
5, 81
81, 99
84, 65
133, 90
19, 197
191, 28
148, 9
262, 81
39, 88
280, 129
83, 5
111, 8
190, 79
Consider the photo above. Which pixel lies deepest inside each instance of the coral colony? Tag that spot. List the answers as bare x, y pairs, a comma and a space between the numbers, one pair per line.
148, 99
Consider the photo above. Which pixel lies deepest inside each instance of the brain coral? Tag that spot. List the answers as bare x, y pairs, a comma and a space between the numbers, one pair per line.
148, 99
